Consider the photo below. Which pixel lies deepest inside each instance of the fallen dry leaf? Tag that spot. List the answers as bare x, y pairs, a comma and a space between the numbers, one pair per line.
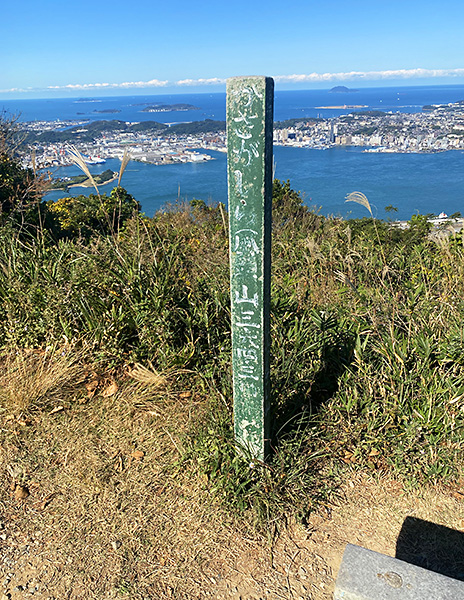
138, 454
110, 390
457, 494
349, 458
185, 395
42, 505
91, 385
21, 492
56, 409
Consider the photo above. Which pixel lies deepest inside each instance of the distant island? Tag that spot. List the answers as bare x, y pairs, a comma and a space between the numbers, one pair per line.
341, 89
343, 107
107, 111
169, 107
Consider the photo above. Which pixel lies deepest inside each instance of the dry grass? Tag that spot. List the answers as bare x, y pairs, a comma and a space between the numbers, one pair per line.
110, 511
79, 161
107, 503
39, 379
124, 162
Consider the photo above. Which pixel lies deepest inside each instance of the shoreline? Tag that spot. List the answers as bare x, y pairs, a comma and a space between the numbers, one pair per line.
84, 184
343, 107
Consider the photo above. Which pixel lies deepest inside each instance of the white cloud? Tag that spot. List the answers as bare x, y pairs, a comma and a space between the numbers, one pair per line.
143, 84
211, 81
295, 78
369, 75
16, 90
98, 86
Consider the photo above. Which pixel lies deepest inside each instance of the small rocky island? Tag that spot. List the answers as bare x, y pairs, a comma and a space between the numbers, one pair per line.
341, 89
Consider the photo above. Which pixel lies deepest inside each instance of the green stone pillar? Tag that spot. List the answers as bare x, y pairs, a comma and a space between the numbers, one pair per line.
250, 103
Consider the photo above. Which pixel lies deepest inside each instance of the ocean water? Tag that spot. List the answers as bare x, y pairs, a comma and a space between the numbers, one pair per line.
288, 104
414, 183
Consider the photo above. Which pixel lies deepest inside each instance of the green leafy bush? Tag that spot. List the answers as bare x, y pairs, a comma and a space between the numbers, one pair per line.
85, 215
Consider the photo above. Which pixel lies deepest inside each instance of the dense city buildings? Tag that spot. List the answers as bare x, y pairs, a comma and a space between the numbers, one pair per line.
435, 129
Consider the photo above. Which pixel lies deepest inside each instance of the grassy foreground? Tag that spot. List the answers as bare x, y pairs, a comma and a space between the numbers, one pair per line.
367, 329
115, 377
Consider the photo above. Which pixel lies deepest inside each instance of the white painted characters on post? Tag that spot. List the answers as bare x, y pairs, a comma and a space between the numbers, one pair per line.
247, 354
247, 321
247, 336
247, 151
247, 252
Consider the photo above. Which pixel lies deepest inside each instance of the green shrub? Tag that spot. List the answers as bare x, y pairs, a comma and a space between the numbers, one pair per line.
84, 216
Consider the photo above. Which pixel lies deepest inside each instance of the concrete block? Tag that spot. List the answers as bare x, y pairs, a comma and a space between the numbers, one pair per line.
368, 575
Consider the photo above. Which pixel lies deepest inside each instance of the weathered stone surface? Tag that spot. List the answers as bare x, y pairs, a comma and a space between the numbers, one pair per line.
250, 103
367, 575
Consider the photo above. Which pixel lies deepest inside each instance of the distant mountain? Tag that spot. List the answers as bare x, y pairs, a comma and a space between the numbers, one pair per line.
341, 89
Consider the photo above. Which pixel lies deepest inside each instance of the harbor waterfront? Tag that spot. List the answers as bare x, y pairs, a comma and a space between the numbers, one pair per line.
413, 183
412, 168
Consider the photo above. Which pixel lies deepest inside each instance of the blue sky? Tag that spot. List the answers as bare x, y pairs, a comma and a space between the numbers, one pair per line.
59, 49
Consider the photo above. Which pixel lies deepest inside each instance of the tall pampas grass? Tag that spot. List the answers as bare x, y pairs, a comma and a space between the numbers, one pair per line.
359, 198
125, 160
79, 161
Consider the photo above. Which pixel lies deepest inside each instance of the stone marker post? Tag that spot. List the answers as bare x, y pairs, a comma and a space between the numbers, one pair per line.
250, 103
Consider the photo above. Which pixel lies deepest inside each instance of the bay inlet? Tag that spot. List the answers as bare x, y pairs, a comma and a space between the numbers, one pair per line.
413, 183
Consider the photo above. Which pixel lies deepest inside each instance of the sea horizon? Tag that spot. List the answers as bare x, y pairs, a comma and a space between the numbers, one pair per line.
414, 183
287, 104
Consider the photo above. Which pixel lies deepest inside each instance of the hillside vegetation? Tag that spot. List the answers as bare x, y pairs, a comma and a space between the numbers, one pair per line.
367, 334
90, 131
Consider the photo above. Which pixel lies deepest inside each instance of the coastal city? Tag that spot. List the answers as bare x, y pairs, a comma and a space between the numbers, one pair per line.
435, 129
146, 146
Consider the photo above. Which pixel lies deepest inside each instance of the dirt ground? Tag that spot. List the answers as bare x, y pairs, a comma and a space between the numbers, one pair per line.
95, 503
301, 564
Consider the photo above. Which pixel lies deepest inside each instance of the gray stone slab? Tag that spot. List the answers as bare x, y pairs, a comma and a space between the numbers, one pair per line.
368, 575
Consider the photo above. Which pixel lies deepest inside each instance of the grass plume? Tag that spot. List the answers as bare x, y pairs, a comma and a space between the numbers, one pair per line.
79, 161
124, 162
361, 199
